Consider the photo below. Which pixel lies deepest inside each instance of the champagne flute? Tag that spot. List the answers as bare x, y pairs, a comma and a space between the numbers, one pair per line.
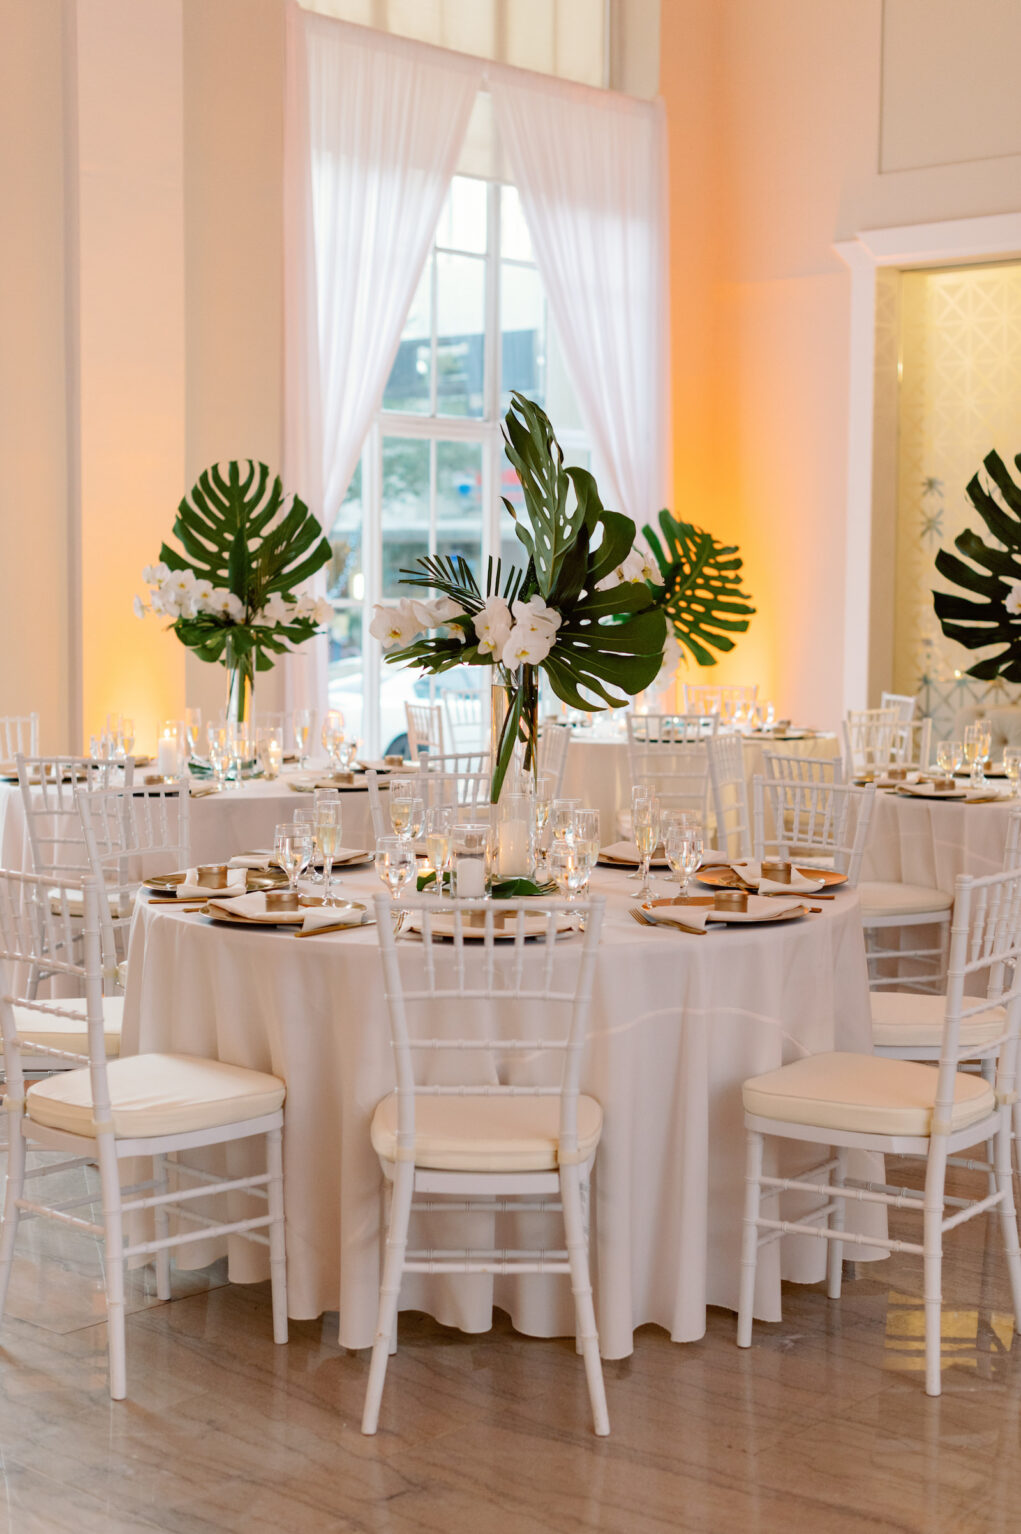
641, 793
219, 751
1012, 767
439, 828
328, 826
127, 736
301, 720
416, 818
332, 734
646, 834
974, 752
193, 728
542, 805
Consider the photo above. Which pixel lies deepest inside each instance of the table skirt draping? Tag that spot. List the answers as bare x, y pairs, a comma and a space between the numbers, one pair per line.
919, 841
677, 1023
597, 770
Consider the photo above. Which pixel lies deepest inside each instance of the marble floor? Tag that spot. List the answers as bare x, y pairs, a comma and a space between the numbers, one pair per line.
822, 1426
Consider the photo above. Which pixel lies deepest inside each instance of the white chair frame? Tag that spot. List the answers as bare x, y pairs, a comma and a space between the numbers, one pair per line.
19, 736
426, 734
717, 698
50, 786
871, 739
904, 704
554, 744
813, 816
986, 934
25, 906
730, 795
669, 729
470, 976
464, 727
677, 770
467, 792
795, 768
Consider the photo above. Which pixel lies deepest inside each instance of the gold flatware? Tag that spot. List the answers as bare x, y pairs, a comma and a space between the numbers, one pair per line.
645, 920
340, 926
169, 900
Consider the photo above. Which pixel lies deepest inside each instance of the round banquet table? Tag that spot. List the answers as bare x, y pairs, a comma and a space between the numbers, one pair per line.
920, 841
677, 1022
234, 820
597, 769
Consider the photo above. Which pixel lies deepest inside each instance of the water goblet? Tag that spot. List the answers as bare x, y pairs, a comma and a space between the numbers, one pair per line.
288, 850
684, 847
949, 756
562, 819
395, 863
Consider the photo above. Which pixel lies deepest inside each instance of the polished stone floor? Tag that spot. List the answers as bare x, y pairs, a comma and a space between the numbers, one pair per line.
821, 1428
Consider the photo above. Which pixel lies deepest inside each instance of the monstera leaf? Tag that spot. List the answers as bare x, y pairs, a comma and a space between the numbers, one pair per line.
702, 594
236, 532
992, 572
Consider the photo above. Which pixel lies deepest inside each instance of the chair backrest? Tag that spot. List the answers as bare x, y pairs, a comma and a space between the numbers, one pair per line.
481, 991
464, 725
803, 769
812, 820
40, 930
904, 705
1012, 846
466, 790
19, 736
425, 729
715, 698
730, 795
870, 739
663, 729
912, 744
554, 740
49, 796
676, 771
985, 937
131, 834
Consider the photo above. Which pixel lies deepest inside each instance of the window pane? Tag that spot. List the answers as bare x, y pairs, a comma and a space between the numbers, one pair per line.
345, 687
344, 572
515, 240
462, 224
459, 501
405, 510
561, 400
409, 385
523, 338
460, 322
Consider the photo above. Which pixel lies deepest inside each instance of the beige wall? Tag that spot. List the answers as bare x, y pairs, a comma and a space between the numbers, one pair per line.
793, 125
34, 628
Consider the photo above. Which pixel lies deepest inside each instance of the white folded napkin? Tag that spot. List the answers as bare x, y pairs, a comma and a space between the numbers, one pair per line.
200, 790
259, 860
191, 889
253, 905
692, 918
317, 916
627, 852
711, 858
750, 870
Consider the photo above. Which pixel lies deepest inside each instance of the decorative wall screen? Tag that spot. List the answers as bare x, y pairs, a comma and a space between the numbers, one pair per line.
959, 396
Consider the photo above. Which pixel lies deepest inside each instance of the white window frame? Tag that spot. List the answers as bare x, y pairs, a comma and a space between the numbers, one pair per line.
484, 430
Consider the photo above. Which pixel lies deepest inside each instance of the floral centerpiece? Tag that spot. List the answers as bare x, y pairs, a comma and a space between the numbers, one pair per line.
582, 611
230, 595
991, 575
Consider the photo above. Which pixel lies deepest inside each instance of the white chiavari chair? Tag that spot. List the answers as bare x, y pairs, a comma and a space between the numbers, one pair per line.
102, 1111
554, 742
719, 699
465, 787
670, 729
425, 729
870, 740
19, 736
674, 766
803, 769
487, 1111
821, 824
49, 787
904, 1108
131, 834
730, 795
912, 745
904, 705
464, 728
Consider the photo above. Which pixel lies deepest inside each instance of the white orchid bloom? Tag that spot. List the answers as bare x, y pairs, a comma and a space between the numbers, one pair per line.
164, 600
395, 625
435, 611
182, 583
322, 611
155, 575
1012, 601
276, 610
493, 626
638, 565
527, 647
140, 608
226, 604
536, 618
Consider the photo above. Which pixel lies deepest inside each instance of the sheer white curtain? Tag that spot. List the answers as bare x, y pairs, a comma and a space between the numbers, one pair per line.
374, 127
591, 171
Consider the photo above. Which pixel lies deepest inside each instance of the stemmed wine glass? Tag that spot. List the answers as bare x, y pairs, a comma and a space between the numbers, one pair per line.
301, 720
645, 826
292, 847
439, 834
569, 867
219, 751
395, 863
975, 747
949, 756
684, 848
542, 805
333, 735
193, 728
640, 793
562, 819
328, 825
1012, 767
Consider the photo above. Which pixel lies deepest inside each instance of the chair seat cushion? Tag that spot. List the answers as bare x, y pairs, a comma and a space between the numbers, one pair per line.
887, 898
863, 1094
157, 1095
901, 1019
68, 1033
485, 1134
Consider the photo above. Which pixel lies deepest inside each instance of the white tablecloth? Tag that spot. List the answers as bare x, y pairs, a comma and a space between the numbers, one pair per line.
919, 841
597, 770
677, 1023
221, 824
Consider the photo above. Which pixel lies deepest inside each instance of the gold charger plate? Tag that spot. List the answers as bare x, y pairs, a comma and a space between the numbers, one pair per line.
737, 918
535, 927
726, 878
256, 879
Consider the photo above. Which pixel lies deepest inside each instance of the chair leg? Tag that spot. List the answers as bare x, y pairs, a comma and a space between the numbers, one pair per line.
932, 1259
581, 1286
386, 1199
1008, 1213
389, 1290
277, 1247
987, 1068
750, 1239
15, 1187
585, 1190
162, 1222
835, 1254
115, 1301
